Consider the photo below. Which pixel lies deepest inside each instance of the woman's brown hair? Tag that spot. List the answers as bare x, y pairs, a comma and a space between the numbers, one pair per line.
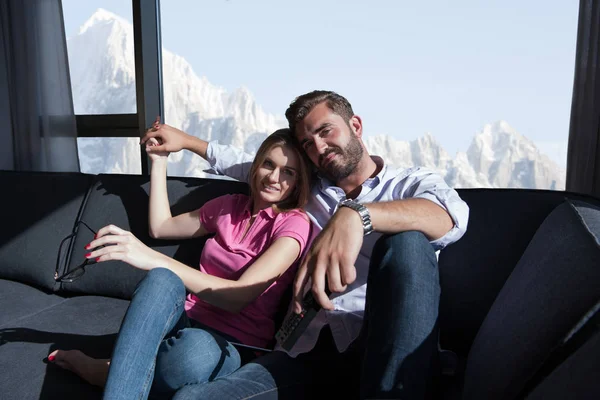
299, 196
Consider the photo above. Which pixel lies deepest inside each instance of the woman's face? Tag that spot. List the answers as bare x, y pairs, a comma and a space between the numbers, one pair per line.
276, 177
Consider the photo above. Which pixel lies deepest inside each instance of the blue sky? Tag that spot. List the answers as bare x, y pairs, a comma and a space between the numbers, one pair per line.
407, 67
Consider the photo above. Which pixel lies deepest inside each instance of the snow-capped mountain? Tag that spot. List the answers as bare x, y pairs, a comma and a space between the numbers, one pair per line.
101, 62
511, 160
497, 157
103, 78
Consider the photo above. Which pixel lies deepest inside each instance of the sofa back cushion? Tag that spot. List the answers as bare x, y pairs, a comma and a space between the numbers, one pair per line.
474, 269
122, 200
554, 285
38, 210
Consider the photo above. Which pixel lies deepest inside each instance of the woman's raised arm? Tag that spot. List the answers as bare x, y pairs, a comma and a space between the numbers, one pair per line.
162, 224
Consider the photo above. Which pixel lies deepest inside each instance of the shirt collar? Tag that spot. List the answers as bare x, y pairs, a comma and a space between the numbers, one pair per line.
268, 212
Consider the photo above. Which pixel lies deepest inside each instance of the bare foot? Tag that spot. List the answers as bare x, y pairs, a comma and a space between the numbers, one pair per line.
90, 369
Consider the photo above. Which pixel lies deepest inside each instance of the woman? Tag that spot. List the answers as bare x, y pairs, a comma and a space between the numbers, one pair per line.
168, 340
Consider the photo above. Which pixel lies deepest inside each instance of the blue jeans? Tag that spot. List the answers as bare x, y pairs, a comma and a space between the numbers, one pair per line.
158, 348
394, 357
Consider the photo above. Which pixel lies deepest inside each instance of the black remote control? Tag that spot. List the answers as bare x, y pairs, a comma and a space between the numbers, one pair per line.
295, 324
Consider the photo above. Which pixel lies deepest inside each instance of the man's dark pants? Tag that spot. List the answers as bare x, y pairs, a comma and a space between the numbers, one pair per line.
393, 358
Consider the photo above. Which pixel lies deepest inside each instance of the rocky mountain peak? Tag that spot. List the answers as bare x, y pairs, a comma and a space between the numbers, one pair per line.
102, 17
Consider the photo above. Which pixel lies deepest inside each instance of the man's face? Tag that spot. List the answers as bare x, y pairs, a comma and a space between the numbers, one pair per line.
330, 142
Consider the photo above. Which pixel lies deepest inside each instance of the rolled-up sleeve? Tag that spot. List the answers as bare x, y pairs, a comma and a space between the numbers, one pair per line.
427, 184
229, 160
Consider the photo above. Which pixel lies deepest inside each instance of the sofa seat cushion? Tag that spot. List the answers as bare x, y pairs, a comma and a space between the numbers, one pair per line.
18, 301
88, 323
553, 286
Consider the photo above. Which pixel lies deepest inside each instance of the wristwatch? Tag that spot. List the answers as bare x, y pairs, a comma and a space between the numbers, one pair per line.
362, 211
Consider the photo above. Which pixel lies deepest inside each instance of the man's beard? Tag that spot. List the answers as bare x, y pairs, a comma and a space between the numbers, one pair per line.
345, 164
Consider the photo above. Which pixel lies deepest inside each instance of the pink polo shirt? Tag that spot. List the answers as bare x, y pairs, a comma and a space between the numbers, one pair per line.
227, 256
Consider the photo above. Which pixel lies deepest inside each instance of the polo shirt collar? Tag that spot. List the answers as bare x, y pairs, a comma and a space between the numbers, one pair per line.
267, 212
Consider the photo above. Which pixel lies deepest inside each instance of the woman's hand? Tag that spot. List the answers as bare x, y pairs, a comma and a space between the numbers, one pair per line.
155, 155
124, 246
153, 144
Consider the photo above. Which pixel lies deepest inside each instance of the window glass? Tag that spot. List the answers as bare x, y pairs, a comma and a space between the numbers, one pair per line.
107, 155
102, 68
101, 56
479, 91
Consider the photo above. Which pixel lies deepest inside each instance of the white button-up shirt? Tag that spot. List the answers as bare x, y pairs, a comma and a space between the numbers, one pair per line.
345, 321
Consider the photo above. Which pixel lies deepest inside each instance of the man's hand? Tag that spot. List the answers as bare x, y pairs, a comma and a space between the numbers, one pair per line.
170, 139
332, 255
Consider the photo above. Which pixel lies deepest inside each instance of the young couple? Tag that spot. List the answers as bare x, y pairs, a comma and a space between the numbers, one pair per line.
377, 335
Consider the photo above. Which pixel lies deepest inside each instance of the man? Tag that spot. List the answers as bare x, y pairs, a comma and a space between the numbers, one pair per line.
378, 330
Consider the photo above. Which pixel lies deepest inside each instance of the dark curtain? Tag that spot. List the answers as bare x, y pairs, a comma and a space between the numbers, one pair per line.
38, 132
583, 159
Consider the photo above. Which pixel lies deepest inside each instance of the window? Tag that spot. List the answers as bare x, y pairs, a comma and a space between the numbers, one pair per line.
101, 63
99, 152
101, 57
480, 91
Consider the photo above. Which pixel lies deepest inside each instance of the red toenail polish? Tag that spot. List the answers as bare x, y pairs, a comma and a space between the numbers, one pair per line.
50, 358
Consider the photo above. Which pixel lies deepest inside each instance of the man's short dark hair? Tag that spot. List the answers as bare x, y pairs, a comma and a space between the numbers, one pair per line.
302, 105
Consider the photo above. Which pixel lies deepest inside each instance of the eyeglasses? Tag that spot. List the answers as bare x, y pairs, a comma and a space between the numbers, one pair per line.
78, 271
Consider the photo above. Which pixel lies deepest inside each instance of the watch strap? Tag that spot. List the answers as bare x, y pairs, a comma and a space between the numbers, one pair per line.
362, 211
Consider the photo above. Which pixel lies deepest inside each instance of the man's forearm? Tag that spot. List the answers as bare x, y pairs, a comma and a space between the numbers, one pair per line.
410, 215
229, 160
196, 145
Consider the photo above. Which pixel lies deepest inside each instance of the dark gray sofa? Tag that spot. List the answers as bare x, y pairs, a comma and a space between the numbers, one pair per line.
519, 290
